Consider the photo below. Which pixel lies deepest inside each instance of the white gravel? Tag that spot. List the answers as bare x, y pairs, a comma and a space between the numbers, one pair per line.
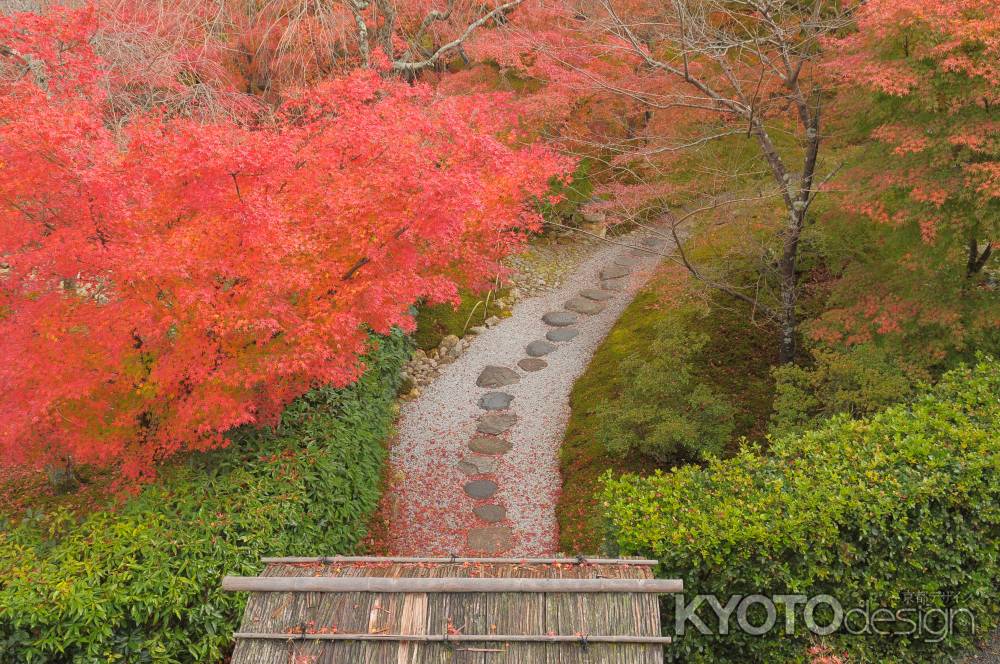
432, 515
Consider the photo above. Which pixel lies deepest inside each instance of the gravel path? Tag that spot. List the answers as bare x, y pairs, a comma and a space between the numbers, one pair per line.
478, 476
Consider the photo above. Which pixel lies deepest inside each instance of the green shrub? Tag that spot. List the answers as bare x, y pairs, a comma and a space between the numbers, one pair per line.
858, 381
663, 410
141, 584
873, 510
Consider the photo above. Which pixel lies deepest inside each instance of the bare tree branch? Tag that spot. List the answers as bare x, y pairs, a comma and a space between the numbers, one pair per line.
405, 65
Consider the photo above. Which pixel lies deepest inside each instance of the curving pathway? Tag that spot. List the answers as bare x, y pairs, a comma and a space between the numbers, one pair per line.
477, 453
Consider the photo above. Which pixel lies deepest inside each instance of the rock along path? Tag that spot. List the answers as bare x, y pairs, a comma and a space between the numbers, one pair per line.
476, 459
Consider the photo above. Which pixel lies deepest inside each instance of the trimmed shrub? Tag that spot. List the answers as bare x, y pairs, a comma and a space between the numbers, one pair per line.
901, 506
858, 382
141, 584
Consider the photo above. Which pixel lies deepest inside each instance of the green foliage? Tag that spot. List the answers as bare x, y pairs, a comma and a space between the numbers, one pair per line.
734, 364
435, 322
871, 510
858, 381
664, 411
141, 584
575, 193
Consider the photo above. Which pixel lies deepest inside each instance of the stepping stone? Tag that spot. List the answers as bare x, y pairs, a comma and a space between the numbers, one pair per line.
478, 464
491, 513
582, 305
539, 347
641, 253
495, 423
616, 285
481, 488
562, 334
596, 295
487, 445
614, 272
532, 363
492, 539
651, 241
625, 261
497, 377
559, 318
495, 401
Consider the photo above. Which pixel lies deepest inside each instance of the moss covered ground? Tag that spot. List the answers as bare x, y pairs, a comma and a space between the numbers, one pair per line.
735, 362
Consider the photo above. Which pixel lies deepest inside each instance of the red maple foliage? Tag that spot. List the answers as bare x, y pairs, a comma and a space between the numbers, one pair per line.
925, 196
165, 279
937, 65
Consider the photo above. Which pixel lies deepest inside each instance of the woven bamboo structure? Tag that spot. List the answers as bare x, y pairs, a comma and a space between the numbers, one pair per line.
451, 611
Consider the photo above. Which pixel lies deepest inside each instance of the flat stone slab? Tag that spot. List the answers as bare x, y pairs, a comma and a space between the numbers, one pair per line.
532, 363
487, 445
478, 464
495, 423
481, 488
596, 294
651, 241
562, 334
616, 285
493, 376
491, 513
625, 261
492, 539
614, 272
539, 347
495, 401
559, 318
582, 305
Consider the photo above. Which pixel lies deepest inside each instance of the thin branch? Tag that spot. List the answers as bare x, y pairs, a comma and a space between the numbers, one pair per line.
430, 61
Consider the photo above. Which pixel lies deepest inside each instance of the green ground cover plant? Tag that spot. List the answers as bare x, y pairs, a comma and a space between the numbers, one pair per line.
141, 583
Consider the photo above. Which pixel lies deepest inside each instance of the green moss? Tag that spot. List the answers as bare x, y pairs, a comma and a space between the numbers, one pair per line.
734, 362
435, 322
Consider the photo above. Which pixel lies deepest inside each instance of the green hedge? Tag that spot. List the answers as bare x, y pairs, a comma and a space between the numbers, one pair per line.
141, 584
900, 507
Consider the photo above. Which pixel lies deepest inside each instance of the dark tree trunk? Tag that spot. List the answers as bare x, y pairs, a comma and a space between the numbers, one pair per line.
62, 476
977, 260
787, 267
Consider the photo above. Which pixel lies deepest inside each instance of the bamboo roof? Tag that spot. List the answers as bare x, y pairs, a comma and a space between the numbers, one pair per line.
451, 611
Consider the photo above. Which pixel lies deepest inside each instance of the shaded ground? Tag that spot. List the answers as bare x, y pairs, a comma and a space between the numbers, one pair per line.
989, 652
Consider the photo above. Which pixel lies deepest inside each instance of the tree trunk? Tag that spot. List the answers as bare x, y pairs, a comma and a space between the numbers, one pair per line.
977, 261
789, 288
62, 476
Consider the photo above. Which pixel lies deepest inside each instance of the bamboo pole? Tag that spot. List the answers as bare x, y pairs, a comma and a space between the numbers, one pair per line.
333, 560
446, 585
457, 638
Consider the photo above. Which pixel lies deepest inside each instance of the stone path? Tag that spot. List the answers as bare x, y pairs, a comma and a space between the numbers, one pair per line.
476, 459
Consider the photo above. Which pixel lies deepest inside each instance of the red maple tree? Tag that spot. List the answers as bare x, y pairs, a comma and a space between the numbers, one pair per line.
936, 67
165, 278
924, 198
